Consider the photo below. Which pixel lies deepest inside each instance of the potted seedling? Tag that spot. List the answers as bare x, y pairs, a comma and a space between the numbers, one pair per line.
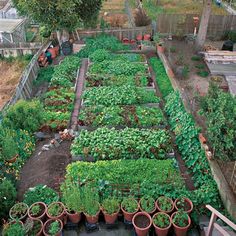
37, 210
33, 227
165, 204
52, 227
9, 149
159, 43
110, 209
18, 211
72, 197
181, 222
13, 228
184, 204
147, 204
129, 207
142, 222
91, 204
161, 223
55, 211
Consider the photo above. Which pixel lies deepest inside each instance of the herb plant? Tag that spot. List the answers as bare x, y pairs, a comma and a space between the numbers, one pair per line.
161, 220
55, 209
130, 205
181, 219
165, 203
110, 205
54, 228
147, 204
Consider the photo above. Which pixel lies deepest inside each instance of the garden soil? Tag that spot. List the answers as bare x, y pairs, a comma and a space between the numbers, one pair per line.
48, 168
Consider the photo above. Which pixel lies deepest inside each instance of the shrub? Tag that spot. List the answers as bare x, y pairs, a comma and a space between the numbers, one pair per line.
203, 73
99, 55
40, 193
7, 197
45, 75
26, 115
196, 58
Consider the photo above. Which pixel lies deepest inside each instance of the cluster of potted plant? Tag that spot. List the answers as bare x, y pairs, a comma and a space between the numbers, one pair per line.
162, 221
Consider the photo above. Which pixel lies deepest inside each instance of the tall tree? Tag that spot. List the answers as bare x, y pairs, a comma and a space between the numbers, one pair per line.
60, 15
202, 33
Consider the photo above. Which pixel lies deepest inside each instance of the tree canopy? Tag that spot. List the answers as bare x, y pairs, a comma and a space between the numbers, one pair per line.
60, 14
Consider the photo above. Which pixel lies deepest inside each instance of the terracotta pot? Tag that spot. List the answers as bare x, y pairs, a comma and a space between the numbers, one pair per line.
139, 37
180, 231
13, 159
74, 217
127, 215
168, 212
151, 212
46, 225
42, 214
188, 201
61, 216
40, 232
147, 37
160, 48
110, 219
161, 231
138, 229
92, 219
22, 217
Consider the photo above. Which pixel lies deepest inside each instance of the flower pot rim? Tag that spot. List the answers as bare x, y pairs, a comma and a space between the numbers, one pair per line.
58, 216
26, 213
188, 200
92, 215
130, 212
104, 212
38, 217
178, 227
40, 223
159, 209
44, 225
149, 212
76, 212
159, 213
144, 214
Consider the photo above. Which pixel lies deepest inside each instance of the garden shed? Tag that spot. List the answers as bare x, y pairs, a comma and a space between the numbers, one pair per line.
12, 30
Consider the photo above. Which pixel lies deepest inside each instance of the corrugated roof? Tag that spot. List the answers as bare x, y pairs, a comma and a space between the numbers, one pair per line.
9, 25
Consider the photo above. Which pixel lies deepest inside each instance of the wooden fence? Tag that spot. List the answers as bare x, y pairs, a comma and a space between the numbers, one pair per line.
24, 87
180, 25
120, 33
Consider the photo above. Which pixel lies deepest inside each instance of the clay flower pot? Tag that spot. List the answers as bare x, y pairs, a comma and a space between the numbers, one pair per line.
180, 231
92, 219
74, 217
42, 213
128, 216
61, 213
40, 231
159, 207
188, 205
160, 48
142, 222
164, 230
19, 211
144, 210
110, 219
47, 225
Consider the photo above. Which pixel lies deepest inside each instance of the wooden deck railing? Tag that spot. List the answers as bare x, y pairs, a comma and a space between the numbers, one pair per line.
215, 214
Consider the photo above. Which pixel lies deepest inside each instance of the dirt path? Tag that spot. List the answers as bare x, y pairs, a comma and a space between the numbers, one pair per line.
47, 168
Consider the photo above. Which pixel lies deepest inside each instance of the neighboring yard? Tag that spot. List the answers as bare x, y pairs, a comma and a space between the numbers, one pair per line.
175, 7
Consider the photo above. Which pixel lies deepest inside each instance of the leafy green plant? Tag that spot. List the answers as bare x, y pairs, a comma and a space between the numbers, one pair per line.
36, 228
181, 219
200, 66
196, 58
54, 227
110, 205
161, 220
147, 203
44, 76
18, 211
9, 148
27, 115
130, 204
55, 209
123, 144
100, 55
40, 193
203, 73
35, 210
165, 203
185, 71
13, 229
162, 78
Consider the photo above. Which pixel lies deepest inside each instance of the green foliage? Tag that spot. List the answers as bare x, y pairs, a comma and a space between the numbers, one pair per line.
200, 66
102, 41
196, 58
54, 227
123, 95
45, 75
130, 116
15, 229
99, 55
147, 203
232, 35
60, 14
55, 209
9, 148
129, 143
40, 193
165, 203
219, 108
7, 197
162, 78
203, 73
161, 220
35, 210
130, 205
152, 175
110, 205
27, 115
185, 71
18, 211
181, 219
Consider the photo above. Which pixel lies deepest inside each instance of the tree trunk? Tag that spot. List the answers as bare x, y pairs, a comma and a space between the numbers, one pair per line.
62, 36
202, 33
